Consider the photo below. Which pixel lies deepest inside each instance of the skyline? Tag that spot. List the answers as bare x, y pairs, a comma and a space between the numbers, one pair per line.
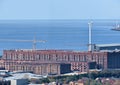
62, 9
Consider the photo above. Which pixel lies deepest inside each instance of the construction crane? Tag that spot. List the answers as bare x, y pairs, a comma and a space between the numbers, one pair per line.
34, 41
90, 45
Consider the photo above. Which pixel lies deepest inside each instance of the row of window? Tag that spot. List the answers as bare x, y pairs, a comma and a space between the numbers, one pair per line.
52, 58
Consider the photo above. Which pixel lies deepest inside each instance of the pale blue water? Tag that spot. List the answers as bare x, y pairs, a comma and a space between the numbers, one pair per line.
59, 34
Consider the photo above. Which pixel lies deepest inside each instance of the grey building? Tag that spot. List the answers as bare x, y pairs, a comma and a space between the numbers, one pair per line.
106, 47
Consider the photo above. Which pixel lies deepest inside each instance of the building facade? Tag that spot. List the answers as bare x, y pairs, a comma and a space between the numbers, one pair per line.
46, 61
113, 60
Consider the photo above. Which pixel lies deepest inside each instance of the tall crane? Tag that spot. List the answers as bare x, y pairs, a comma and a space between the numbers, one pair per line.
34, 41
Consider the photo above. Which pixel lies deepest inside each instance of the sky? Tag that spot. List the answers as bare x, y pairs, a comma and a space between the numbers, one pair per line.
59, 9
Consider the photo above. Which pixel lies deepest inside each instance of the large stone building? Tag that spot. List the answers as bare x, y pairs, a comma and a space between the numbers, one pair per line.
47, 61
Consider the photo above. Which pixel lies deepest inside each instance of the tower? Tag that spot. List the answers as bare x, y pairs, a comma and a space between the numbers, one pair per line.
90, 36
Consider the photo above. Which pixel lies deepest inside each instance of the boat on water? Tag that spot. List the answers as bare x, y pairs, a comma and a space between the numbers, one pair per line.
117, 28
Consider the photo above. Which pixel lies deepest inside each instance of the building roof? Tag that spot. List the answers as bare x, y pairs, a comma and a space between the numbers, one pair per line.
49, 51
107, 45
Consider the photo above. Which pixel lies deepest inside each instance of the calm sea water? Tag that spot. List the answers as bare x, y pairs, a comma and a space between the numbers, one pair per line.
59, 34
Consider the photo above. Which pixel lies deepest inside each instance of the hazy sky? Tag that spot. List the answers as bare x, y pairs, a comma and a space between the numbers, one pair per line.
59, 9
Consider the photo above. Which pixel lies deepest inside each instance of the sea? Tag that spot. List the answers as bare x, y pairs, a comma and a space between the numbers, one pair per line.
57, 34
